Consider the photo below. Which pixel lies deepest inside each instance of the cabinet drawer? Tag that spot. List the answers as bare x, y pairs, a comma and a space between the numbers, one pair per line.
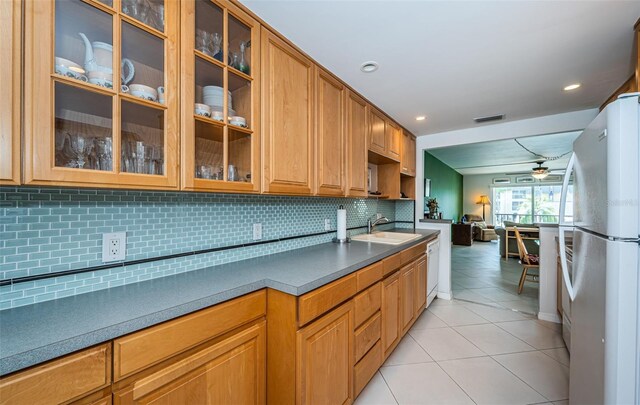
61, 380
367, 303
317, 302
369, 275
367, 335
413, 252
367, 367
391, 264
139, 350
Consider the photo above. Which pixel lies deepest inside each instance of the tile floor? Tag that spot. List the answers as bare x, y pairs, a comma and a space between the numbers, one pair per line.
459, 352
479, 274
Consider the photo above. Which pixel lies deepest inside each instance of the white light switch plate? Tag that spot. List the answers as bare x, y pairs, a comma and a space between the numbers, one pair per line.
114, 246
257, 231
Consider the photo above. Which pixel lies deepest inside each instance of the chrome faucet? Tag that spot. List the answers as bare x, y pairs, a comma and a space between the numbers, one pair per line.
372, 225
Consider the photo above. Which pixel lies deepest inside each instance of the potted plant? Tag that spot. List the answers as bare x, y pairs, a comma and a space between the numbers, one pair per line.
432, 204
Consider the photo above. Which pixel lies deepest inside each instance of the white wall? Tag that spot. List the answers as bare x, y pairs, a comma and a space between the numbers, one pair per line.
473, 186
573, 121
550, 124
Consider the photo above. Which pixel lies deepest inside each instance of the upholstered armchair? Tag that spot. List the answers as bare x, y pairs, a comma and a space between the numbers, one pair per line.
481, 231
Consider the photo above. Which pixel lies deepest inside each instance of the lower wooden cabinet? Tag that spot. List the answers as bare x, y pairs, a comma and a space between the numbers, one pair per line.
66, 379
390, 312
407, 296
325, 360
231, 371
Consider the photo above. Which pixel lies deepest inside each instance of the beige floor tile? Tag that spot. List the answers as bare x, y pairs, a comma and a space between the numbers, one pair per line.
468, 295
565, 402
533, 334
493, 340
428, 320
561, 355
424, 383
442, 302
376, 393
487, 382
408, 351
457, 316
445, 344
497, 314
495, 294
524, 306
540, 372
551, 325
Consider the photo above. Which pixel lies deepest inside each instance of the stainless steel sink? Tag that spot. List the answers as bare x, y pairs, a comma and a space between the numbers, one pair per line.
389, 238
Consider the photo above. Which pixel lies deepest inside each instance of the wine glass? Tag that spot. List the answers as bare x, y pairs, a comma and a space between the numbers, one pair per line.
62, 146
80, 148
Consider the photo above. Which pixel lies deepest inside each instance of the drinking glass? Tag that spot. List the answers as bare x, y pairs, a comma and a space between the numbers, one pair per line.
104, 150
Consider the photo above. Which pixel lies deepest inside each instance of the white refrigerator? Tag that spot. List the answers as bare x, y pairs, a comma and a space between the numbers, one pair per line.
604, 283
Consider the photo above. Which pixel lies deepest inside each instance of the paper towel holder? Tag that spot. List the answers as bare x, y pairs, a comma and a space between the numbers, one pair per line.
346, 239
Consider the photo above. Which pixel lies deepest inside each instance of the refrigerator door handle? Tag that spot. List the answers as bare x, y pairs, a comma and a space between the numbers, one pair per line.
563, 261
565, 189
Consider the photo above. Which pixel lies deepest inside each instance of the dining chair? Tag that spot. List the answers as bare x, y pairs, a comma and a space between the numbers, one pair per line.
529, 262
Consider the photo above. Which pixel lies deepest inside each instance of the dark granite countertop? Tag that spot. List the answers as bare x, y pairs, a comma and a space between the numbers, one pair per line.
36, 333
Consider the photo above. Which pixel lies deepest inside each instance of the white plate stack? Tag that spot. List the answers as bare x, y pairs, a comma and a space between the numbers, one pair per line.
212, 96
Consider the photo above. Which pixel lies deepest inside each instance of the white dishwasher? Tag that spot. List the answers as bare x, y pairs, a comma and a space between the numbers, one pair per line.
433, 257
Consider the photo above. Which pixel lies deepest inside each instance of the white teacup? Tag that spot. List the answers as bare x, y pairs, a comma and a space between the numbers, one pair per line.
69, 68
203, 109
100, 78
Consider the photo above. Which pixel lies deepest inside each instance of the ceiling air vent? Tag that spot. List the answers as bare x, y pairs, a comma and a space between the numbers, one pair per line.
489, 118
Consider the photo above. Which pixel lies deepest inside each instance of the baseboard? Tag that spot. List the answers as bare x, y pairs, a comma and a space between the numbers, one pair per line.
544, 316
444, 295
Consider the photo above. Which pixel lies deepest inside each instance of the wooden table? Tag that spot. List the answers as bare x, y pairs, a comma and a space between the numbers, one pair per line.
526, 233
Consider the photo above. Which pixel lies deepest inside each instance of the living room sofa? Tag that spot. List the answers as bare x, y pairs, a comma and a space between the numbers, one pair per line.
481, 231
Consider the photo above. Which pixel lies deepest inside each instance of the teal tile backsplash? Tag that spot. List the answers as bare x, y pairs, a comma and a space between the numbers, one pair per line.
48, 230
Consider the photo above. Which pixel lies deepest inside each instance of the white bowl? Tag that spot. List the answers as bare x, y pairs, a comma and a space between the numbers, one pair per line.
69, 68
143, 91
217, 115
203, 109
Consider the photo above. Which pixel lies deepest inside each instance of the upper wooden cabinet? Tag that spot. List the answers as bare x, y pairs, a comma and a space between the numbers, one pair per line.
408, 161
287, 118
10, 69
377, 132
101, 93
384, 136
393, 135
330, 135
220, 54
357, 127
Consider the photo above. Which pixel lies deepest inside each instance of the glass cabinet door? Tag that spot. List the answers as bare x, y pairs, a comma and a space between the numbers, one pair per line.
220, 144
100, 93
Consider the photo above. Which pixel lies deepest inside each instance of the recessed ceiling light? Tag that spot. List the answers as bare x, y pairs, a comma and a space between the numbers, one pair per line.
572, 86
421, 118
369, 67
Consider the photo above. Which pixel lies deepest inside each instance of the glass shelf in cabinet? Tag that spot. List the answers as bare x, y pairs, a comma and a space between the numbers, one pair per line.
208, 58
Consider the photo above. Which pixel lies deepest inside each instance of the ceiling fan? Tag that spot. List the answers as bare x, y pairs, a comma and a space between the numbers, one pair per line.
538, 172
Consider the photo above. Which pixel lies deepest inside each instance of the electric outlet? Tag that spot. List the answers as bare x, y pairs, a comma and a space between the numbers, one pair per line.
327, 224
257, 231
114, 246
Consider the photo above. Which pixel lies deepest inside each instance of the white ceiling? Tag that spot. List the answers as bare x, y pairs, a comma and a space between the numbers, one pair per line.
506, 156
456, 60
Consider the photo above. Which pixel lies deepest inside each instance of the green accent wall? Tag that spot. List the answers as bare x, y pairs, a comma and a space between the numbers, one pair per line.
446, 187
